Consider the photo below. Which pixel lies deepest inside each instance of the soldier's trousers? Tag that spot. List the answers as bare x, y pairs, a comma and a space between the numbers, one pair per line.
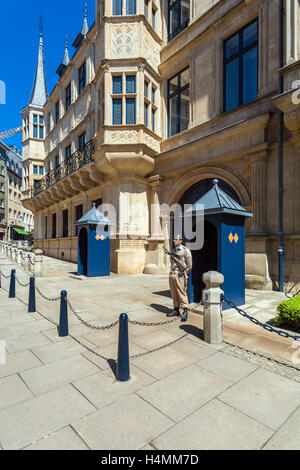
178, 291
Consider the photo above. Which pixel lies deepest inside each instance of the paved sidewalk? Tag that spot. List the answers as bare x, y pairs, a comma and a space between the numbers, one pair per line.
55, 394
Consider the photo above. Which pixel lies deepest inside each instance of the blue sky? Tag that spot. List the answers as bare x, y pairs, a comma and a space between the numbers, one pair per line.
19, 37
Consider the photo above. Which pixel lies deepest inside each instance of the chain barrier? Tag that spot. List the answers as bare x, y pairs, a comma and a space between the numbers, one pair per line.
263, 325
141, 323
89, 325
51, 299
31, 262
20, 283
88, 349
2, 274
160, 348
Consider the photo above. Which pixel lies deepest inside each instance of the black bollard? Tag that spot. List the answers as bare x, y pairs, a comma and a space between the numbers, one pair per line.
123, 367
63, 329
31, 301
12, 285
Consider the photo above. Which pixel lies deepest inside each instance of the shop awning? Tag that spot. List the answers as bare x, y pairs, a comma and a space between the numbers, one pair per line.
20, 231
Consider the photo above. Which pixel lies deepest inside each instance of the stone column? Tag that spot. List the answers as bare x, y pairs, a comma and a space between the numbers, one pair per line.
140, 95
291, 30
212, 304
259, 191
155, 229
107, 96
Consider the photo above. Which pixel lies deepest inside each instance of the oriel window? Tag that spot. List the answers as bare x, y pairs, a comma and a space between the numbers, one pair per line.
241, 67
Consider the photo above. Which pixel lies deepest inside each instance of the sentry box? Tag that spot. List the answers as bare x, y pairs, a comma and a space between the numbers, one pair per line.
94, 244
224, 245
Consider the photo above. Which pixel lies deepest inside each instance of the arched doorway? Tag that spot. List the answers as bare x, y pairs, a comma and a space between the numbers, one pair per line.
83, 252
206, 258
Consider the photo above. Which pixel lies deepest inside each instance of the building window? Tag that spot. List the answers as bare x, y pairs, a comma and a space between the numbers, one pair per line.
65, 223
130, 111
147, 9
81, 140
79, 214
117, 111
153, 120
146, 89
35, 169
82, 78
130, 7
41, 170
117, 7
117, 85
57, 161
130, 84
178, 102
68, 152
153, 17
241, 67
53, 225
35, 118
178, 16
146, 117
41, 133
35, 131
68, 96
57, 116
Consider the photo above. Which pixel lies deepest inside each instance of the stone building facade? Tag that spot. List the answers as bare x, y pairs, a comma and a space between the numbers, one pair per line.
159, 99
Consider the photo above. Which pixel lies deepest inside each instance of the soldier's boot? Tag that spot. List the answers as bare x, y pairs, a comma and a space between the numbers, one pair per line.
185, 315
174, 313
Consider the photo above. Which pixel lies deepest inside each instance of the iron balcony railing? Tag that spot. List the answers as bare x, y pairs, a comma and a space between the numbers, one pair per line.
77, 160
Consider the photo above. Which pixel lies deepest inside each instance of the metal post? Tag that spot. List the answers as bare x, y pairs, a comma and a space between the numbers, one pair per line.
12, 285
31, 301
123, 367
63, 329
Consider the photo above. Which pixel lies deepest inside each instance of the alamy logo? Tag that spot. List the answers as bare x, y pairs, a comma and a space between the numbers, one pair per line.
2, 92
2, 353
296, 94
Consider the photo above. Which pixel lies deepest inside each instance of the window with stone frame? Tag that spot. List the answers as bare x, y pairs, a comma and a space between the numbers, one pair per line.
124, 99
178, 102
150, 106
178, 17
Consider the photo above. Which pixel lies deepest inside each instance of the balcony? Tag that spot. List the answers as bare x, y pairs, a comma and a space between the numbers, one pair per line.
77, 160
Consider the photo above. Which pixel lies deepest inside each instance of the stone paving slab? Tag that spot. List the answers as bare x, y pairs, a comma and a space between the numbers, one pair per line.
227, 366
50, 376
23, 424
19, 362
194, 387
264, 396
21, 343
215, 426
288, 436
12, 391
65, 439
58, 351
103, 389
119, 425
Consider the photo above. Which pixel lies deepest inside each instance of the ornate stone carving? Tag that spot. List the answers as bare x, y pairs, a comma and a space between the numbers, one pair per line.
123, 137
292, 120
124, 41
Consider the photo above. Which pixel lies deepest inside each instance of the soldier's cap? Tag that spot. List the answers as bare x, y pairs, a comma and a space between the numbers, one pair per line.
178, 237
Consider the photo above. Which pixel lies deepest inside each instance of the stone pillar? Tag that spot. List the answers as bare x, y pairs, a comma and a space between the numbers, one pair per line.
291, 30
107, 96
212, 304
38, 263
140, 95
155, 229
259, 191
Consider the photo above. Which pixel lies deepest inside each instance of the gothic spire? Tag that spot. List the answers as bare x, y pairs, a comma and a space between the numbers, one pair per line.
85, 27
39, 92
66, 59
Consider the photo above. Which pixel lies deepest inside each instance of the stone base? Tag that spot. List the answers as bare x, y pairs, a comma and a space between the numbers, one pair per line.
256, 282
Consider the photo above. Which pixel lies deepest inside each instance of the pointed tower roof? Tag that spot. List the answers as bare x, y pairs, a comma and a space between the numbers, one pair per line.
217, 201
93, 217
84, 30
39, 92
66, 60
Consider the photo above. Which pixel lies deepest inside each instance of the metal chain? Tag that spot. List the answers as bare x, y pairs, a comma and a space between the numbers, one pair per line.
51, 299
89, 325
20, 283
5, 277
160, 348
140, 323
31, 262
88, 349
263, 325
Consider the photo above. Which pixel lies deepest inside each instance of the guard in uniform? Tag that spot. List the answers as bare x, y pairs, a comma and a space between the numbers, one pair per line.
178, 278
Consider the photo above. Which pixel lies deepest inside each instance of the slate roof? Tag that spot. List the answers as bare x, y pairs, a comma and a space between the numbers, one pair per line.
39, 94
217, 201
